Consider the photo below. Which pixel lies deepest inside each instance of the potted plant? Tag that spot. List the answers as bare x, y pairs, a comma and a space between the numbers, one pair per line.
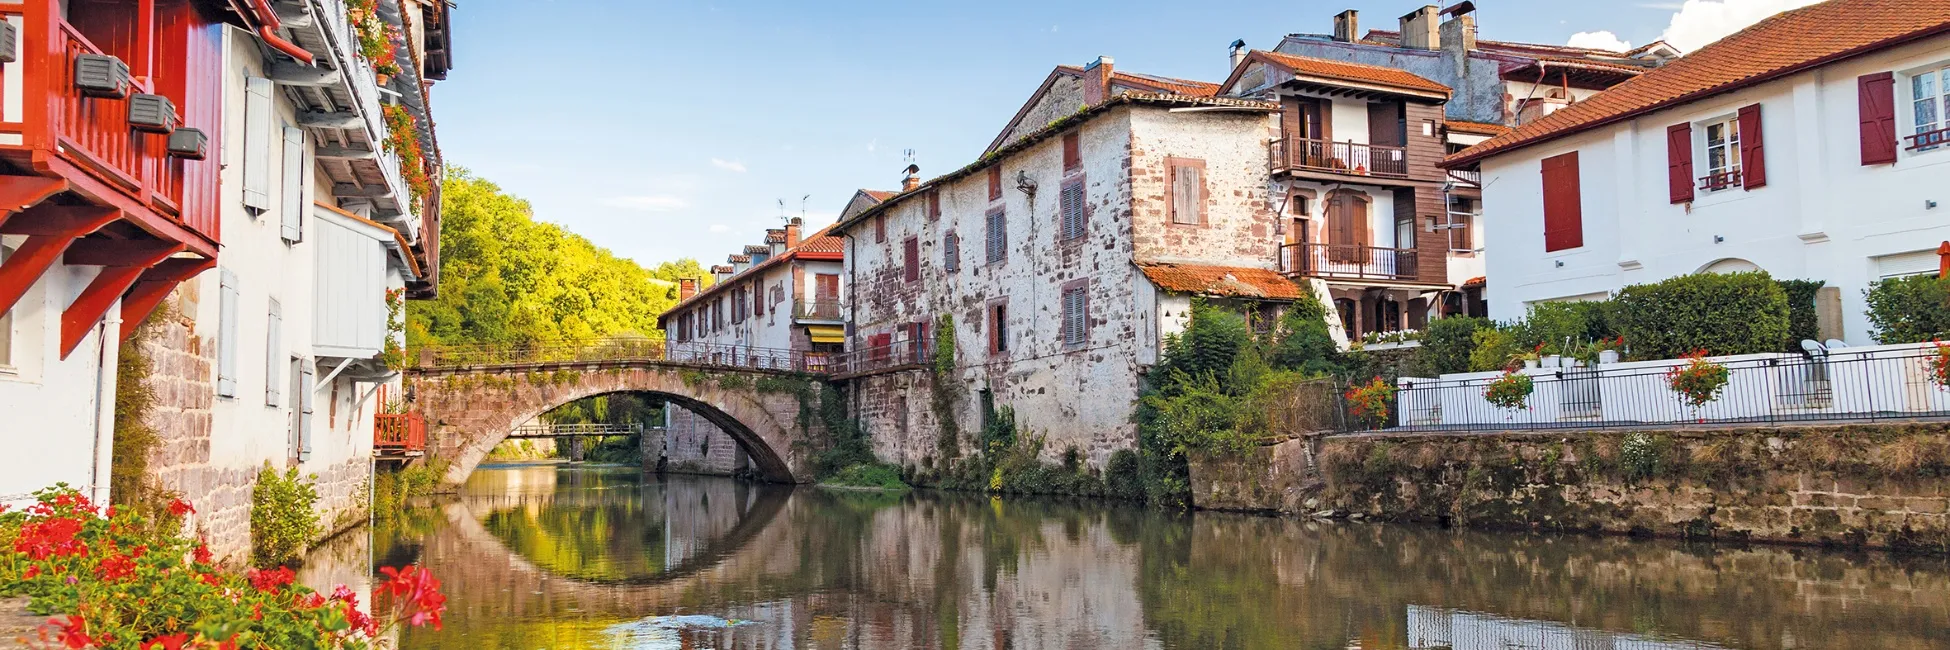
1369, 402
1940, 365
1698, 382
1609, 349
1510, 392
1529, 359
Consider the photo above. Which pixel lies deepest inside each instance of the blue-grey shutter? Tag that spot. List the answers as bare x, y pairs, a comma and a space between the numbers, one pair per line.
951, 252
227, 334
257, 144
294, 184
998, 237
273, 356
1072, 200
1074, 317
307, 382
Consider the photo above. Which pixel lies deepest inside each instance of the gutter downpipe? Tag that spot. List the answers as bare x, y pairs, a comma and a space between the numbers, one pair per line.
104, 413
267, 29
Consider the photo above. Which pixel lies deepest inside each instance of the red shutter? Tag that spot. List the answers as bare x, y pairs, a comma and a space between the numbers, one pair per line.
1072, 151
1753, 157
1563, 215
911, 259
995, 183
934, 204
1679, 162
1876, 96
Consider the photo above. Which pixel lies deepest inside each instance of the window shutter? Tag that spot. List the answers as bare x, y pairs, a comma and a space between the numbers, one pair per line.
227, 334
1072, 151
1563, 215
273, 356
1074, 317
998, 238
951, 252
1073, 224
294, 184
911, 259
1679, 162
995, 183
880, 230
934, 204
1188, 187
257, 144
1753, 158
307, 380
1876, 98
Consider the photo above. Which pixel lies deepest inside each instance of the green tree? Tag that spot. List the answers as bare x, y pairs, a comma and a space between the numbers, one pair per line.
1911, 309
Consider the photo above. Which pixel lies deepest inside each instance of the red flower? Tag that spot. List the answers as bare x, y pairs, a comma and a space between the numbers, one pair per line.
211, 579
180, 507
115, 567
73, 632
273, 580
419, 591
201, 554
176, 641
46, 538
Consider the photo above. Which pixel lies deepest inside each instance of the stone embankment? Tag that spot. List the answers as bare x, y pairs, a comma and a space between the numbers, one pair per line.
1874, 485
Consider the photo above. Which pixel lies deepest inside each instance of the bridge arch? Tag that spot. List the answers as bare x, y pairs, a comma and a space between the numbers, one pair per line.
469, 410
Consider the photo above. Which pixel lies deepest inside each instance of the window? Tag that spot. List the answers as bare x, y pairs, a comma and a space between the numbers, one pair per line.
257, 144
881, 346
951, 252
1072, 151
758, 298
1071, 200
995, 183
273, 356
934, 204
1076, 314
1185, 191
1563, 211
738, 305
880, 230
1462, 214
227, 334
911, 259
998, 328
6, 323
998, 236
1929, 93
1722, 155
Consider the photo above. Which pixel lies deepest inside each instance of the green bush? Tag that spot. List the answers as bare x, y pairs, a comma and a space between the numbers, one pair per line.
1561, 326
1447, 345
1912, 309
284, 519
1802, 322
1124, 475
1720, 313
1491, 349
873, 475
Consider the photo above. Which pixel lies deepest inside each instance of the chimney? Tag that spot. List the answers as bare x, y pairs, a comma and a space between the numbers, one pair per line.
1459, 31
912, 180
1419, 29
792, 234
1238, 55
686, 287
1346, 26
722, 272
775, 238
1096, 81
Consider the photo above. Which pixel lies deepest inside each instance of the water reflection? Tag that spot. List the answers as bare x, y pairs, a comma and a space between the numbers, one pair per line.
538, 557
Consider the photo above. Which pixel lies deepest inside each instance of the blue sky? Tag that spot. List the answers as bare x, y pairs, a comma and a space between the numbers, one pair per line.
671, 129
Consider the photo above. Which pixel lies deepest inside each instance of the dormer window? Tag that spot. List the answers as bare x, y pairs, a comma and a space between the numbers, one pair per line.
1722, 155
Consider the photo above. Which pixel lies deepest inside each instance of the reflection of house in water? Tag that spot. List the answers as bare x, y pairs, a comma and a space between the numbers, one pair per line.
1434, 628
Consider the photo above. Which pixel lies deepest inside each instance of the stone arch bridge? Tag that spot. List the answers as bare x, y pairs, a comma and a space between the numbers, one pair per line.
473, 397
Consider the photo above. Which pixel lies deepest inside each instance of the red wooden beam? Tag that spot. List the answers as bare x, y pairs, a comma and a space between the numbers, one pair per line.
21, 192
154, 286
49, 231
108, 286
1943, 260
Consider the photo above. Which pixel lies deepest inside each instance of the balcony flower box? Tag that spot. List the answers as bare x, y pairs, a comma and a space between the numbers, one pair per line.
101, 75
189, 143
9, 42
152, 114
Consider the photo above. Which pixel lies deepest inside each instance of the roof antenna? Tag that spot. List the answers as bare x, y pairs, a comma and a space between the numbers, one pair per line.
802, 207
782, 217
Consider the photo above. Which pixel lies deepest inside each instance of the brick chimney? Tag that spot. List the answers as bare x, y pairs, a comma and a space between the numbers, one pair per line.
686, 287
1096, 81
1347, 27
792, 234
1419, 29
912, 180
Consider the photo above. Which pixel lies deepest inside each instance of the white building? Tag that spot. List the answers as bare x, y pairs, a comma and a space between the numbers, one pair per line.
1810, 145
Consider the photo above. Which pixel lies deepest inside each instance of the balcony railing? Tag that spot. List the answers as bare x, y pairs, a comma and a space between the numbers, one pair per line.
1356, 261
45, 114
1469, 177
1928, 139
894, 355
1340, 157
399, 433
1720, 180
818, 309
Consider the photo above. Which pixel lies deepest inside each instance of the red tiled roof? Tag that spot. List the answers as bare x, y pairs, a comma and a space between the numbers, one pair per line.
1168, 84
1478, 128
1356, 72
879, 195
1783, 44
1230, 281
819, 245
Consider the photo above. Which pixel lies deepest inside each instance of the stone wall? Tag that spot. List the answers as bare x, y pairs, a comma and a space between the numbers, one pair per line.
696, 446
180, 372
1881, 485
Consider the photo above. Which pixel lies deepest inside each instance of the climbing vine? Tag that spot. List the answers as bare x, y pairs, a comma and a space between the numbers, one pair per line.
946, 392
394, 356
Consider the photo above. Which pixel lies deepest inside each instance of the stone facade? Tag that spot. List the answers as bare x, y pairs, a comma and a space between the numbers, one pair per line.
1867, 485
693, 445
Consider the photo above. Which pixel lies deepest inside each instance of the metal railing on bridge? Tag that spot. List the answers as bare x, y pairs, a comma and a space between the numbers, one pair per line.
896, 354
579, 429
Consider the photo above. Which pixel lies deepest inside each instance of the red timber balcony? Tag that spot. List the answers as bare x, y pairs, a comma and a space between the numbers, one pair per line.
1308, 156
399, 435
1349, 262
88, 177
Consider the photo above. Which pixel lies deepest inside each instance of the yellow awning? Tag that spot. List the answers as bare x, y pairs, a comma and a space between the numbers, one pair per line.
827, 333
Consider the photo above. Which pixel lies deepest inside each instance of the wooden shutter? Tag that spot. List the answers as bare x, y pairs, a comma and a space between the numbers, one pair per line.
880, 229
1385, 125
293, 189
995, 183
934, 204
307, 380
1679, 162
998, 237
951, 252
1563, 214
1072, 151
758, 298
1075, 316
1187, 194
257, 144
826, 286
273, 356
911, 259
1876, 98
1753, 158
1072, 208
227, 298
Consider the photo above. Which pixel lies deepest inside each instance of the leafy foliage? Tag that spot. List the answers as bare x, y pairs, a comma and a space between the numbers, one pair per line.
1511, 391
1560, 326
869, 475
284, 518
1699, 381
1370, 402
1910, 309
135, 439
1803, 325
1720, 313
1492, 349
1447, 344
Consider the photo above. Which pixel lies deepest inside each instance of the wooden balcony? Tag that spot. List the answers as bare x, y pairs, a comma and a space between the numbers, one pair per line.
818, 309
399, 435
1342, 158
1349, 261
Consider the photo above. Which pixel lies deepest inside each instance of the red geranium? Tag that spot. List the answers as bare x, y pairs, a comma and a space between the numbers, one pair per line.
271, 581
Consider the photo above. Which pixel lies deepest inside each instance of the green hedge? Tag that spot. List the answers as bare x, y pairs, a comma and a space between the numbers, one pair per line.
1910, 310
1802, 323
1721, 313
1447, 344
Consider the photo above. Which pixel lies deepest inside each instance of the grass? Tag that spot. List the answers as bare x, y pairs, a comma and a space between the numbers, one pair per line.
877, 476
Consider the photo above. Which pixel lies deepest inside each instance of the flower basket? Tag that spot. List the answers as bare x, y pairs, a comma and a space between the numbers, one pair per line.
1940, 366
1511, 392
1698, 382
1369, 402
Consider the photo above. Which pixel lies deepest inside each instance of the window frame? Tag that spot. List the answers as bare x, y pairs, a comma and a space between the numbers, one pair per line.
1727, 175
1075, 333
998, 327
1172, 166
1939, 136
995, 236
1073, 221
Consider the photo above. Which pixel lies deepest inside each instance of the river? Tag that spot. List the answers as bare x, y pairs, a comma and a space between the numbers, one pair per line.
555, 556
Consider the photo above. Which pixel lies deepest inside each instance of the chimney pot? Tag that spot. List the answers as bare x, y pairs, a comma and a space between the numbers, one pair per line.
1347, 26
1096, 80
1238, 55
686, 287
1419, 29
912, 180
792, 234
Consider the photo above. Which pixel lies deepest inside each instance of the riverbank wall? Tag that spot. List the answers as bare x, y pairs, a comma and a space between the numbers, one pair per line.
1873, 486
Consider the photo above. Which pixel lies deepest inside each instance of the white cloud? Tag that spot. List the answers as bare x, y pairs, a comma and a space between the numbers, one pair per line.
1699, 22
728, 165
1601, 40
1667, 6
873, 144
648, 203
718, 227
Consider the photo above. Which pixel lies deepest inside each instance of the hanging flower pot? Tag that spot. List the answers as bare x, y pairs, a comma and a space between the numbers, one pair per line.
1511, 392
382, 78
1698, 382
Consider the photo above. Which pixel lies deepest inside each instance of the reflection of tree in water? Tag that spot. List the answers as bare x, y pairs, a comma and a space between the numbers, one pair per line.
614, 541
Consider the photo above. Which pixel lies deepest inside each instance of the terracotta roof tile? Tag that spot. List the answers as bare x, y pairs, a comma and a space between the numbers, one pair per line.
1356, 72
1785, 43
1229, 281
1168, 84
821, 243
1478, 128
879, 195
775, 236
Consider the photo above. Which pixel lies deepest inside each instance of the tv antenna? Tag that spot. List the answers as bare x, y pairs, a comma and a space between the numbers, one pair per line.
907, 156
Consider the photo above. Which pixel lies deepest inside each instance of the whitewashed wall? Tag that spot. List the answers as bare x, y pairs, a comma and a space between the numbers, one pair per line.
53, 406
